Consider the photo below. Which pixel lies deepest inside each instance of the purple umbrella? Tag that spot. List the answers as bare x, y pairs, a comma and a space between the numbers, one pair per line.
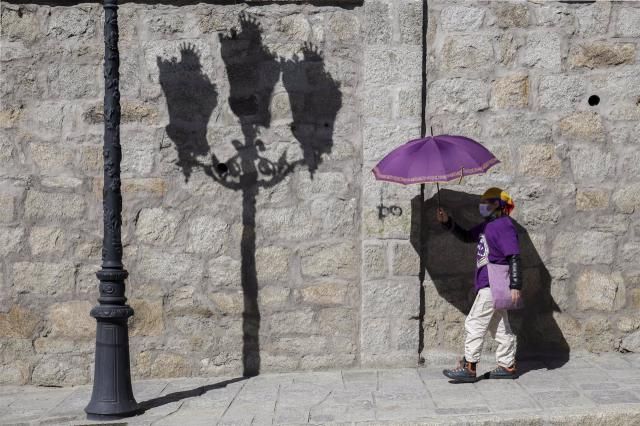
434, 159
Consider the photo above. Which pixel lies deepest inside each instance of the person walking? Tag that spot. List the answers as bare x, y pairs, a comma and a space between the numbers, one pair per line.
497, 243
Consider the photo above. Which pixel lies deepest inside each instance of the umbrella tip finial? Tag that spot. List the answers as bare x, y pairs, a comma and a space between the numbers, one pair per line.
431, 130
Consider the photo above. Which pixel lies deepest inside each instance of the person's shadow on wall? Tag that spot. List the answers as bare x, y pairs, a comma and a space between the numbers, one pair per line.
449, 265
253, 72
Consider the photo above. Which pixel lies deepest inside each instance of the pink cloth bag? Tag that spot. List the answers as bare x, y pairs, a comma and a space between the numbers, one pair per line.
500, 291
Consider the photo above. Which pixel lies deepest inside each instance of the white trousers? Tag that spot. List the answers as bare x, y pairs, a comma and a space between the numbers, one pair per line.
483, 317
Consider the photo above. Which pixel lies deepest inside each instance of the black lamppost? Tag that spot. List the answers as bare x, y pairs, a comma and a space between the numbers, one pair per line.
112, 396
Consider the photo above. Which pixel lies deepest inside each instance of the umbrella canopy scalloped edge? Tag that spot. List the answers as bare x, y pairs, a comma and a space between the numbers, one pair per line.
433, 179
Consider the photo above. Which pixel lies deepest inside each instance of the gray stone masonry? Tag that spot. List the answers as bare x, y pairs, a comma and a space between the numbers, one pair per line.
301, 100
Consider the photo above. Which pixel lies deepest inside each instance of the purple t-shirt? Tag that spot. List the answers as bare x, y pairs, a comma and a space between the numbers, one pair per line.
497, 239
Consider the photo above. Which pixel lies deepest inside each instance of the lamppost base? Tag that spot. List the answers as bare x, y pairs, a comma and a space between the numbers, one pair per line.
107, 417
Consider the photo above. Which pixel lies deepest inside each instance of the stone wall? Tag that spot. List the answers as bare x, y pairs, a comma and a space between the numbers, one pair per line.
519, 76
270, 91
296, 258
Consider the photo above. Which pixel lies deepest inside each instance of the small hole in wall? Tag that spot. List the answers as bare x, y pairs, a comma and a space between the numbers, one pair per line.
222, 168
594, 100
19, 12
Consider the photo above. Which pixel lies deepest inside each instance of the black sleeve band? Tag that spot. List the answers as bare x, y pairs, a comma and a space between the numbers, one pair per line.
515, 272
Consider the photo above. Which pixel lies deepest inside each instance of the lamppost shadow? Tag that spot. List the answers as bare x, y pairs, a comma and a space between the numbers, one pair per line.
253, 71
179, 396
449, 265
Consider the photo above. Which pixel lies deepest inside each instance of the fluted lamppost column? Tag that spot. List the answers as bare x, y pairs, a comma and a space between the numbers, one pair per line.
112, 395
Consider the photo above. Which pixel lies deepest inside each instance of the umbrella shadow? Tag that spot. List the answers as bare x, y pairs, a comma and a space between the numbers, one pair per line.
448, 265
253, 72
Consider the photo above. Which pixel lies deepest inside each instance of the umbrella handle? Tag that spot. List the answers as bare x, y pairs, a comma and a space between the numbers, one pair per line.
438, 186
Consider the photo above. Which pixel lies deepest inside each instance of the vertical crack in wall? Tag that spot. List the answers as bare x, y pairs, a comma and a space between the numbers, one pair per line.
423, 131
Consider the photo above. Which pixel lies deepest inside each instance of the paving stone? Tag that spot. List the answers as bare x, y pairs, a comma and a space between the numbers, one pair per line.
552, 399
602, 397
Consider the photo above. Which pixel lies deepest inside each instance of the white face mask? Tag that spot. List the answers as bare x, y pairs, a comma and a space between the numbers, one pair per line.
485, 210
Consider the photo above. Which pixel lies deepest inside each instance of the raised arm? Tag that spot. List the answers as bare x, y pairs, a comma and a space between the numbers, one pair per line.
462, 234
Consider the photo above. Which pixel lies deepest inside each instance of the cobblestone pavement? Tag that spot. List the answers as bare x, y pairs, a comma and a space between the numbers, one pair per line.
587, 390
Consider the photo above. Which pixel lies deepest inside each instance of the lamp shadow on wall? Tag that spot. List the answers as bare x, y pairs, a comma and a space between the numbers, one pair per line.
449, 265
253, 71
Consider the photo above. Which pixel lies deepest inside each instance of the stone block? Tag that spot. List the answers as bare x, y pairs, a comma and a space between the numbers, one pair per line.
326, 183
19, 322
344, 27
410, 14
375, 336
583, 126
378, 105
506, 47
628, 254
380, 139
631, 342
543, 51
299, 321
147, 319
333, 260
299, 345
472, 52
377, 28
627, 198
165, 365
325, 294
587, 248
560, 92
374, 260
273, 297
406, 261
628, 324
228, 303
20, 23
460, 124
511, 14
67, 206
50, 240
591, 200
337, 321
21, 82
15, 373
591, 164
272, 264
285, 223
131, 112
73, 81
157, 225
78, 22
207, 235
601, 54
409, 104
71, 320
223, 272
510, 92
48, 279
381, 298
555, 15
600, 291
540, 160
461, 18
457, 95
627, 22
157, 265
11, 240
53, 370
593, 19
388, 227
163, 23
52, 158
